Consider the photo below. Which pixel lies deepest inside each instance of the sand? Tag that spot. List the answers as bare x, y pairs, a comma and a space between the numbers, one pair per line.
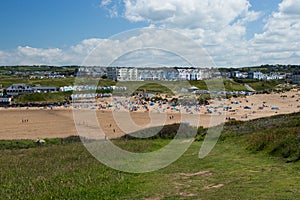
34, 123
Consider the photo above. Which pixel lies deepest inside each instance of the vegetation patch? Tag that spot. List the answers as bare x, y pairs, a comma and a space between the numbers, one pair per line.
264, 85
228, 85
54, 97
64, 169
26, 144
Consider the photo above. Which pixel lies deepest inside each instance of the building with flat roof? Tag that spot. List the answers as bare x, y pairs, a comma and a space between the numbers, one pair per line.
44, 89
157, 74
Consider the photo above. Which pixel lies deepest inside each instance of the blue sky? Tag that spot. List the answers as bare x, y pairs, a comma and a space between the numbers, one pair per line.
55, 23
31, 29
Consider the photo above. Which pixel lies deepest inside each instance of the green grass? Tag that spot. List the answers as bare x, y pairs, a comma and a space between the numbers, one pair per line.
264, 85
54, 97
277, 136
26, 144
7, 81
227, 84
154, 88
233, 86
69, 171
65, 170
43, 82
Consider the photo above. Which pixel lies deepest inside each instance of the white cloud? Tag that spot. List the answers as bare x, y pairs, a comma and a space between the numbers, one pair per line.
45, 53
148, 46
214, 24
280, 40
29, 55
219, 26
105, 2
290, 7
136, 48
188, 14
111, 7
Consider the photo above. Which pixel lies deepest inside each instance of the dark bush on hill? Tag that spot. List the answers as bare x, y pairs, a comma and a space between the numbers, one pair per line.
165, 132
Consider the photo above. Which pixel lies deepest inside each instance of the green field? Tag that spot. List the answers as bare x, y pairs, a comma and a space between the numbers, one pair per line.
235, 169
43, 82
227, 84
260, 85
267, 85
56, 97
56, 82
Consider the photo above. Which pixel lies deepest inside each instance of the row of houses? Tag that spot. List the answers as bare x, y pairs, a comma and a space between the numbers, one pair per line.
293, 78
13, 90
258, 75
18, 89
161, 74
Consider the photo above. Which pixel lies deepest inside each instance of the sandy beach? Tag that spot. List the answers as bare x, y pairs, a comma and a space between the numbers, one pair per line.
33, 123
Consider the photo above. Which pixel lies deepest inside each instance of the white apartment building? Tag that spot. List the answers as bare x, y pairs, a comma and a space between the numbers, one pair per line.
122, 73
158, 74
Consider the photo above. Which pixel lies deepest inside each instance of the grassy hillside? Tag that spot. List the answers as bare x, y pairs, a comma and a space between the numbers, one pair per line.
264, 85
228, 85
44, 82
69, 171
260, 85
55, 82
277, 136
55, 97
233, 170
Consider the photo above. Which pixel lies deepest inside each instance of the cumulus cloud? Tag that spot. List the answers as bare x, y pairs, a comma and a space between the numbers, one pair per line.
280, 40
219, 26
29, 55
142, 47
290, 7
212, 23
45, 53
148, 46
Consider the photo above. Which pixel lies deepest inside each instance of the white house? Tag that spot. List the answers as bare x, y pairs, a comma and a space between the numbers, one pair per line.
17, 89
256, 75
5, 100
